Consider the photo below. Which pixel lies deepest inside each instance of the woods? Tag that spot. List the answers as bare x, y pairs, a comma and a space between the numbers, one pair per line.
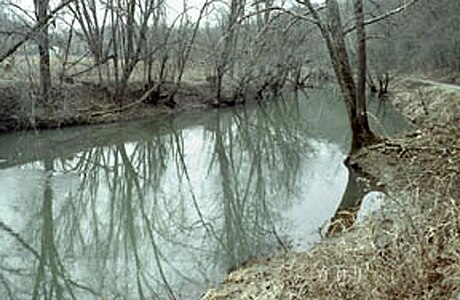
137, 52
126, 51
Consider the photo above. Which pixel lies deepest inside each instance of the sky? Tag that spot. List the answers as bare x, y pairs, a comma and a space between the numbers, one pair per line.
174, 7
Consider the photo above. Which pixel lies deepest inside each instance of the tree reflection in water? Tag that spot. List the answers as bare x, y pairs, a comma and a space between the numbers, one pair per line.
160, 217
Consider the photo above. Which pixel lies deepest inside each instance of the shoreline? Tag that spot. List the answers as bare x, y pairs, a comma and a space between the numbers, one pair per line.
82, 104
85, 103
410, 248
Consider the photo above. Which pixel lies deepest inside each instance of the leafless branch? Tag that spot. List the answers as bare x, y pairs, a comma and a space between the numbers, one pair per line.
383, 16
35, 30
280, 9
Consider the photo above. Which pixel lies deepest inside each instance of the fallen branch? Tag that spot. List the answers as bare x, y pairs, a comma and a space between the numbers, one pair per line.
144, 97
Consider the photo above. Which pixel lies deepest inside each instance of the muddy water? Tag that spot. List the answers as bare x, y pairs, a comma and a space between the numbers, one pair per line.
163, 208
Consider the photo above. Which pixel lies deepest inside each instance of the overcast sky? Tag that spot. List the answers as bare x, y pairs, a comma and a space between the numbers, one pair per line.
174, 7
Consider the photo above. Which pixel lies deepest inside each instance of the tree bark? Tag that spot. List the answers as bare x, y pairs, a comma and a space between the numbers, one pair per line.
226, 60
340, 61
41, 12
355, 98
362, 70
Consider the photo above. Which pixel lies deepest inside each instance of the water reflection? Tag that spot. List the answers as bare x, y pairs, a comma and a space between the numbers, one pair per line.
161, 210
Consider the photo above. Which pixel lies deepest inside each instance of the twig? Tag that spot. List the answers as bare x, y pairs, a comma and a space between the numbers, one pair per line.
383, 16
34, 30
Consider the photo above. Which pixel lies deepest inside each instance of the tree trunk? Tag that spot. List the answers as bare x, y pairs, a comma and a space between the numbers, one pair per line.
355, 99
226, 61
366, 133
339, 57
41, 12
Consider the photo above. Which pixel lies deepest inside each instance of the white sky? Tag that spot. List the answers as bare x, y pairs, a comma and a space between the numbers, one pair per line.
174, 7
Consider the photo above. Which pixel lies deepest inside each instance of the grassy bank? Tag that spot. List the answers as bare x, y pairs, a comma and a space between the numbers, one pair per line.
85, 99
410, 249
86, 103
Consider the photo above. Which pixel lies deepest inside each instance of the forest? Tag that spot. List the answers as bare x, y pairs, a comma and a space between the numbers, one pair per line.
240, 149
92, 61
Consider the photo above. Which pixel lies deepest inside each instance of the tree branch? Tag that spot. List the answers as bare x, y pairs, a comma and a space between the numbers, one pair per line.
383, 16
280, 9
34, 30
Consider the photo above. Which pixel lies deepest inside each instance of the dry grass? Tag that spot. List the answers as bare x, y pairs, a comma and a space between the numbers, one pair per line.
86, 101
26, 68
424, 104
408, 250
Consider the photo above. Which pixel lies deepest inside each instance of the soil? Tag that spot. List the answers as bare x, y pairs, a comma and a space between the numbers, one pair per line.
408, 249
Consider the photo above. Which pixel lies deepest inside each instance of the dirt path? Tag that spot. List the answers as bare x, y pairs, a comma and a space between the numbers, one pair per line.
436, 83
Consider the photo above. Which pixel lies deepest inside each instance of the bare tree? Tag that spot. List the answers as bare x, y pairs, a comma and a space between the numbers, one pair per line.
333, 33
87, 13
41, 13
362, 71
334, 36
225, 61
133, 38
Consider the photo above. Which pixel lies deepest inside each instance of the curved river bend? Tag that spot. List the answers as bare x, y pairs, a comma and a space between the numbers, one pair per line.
166, 207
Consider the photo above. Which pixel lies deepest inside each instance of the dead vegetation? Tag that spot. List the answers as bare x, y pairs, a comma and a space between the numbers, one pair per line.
87, 103
84, 100
425, 104
408, 250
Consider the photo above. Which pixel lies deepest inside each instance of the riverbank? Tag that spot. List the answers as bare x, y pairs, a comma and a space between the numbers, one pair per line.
85, 103
408, 249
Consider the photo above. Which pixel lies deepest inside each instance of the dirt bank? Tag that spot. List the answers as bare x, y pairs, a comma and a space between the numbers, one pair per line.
408, 249
83, 103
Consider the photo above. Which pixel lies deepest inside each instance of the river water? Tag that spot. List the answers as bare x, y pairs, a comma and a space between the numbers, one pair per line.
164, 208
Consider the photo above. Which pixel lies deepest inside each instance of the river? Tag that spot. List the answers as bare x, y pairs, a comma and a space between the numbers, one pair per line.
164, 208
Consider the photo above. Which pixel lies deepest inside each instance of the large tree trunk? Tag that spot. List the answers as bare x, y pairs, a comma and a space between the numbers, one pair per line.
41, 12
226, 61
362, 70
355, 99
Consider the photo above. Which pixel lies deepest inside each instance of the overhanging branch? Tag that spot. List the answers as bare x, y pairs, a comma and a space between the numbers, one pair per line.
383, 16
35, 30
280, 9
